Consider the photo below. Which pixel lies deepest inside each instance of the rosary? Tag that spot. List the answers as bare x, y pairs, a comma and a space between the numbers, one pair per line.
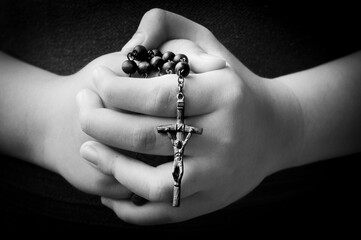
178, 133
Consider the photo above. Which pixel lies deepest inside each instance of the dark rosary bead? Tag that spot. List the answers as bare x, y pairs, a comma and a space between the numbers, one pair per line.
182, 69
156, 62
144, 68
157, 52
168, 56
129, 67
168, 67
140, 53
180, 58
154, 53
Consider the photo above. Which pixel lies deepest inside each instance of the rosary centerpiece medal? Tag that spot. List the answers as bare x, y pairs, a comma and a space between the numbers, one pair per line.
179, 133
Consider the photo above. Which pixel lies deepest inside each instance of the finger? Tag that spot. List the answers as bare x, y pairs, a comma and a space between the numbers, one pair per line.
87, 100
112, 60
157, 26
153, 213
101, 184
135, 133
138, 133
199, 60
158, 96
152, 183
152, 36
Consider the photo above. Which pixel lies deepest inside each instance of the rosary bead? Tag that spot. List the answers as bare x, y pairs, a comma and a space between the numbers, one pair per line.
168, 56
140, 53
129, 67
156, 62
144, 68
154, 52
168, 67
182, 69
180, 58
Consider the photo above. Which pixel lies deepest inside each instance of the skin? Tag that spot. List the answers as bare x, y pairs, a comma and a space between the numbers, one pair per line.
40, 118
254, 126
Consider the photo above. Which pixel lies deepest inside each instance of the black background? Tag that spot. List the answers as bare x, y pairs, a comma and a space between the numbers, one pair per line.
272, 38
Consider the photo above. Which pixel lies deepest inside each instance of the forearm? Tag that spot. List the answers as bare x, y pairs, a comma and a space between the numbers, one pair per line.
329, 97
22, 92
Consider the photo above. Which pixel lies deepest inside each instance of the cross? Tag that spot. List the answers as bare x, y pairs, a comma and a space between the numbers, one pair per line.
179, 134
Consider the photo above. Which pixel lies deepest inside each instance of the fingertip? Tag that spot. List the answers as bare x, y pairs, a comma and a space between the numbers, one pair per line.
106, 202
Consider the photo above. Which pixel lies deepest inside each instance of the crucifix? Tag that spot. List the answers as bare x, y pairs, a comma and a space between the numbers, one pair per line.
179, 134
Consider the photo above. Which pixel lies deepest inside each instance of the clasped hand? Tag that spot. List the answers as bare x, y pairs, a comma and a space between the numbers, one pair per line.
249, 128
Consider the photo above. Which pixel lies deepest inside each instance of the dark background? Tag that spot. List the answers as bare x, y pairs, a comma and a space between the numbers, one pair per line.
272, 38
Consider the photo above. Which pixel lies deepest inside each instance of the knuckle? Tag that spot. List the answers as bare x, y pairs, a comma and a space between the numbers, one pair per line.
206, 32
154, 13
160, 99
233, 87
143, 139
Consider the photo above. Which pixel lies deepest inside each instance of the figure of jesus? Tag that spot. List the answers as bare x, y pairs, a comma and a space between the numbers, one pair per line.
178, 148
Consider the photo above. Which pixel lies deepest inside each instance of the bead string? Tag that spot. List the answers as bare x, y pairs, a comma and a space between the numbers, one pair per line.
148, 60
179, 133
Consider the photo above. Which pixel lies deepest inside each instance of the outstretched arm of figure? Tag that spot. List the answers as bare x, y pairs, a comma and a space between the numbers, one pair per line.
187, 137
170, 137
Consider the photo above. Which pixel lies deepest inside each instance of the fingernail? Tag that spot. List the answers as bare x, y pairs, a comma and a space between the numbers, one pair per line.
105, 201
137, 39
90, 154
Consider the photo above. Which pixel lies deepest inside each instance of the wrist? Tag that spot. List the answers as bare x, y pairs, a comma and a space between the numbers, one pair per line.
288, 126
49, 97
62, 130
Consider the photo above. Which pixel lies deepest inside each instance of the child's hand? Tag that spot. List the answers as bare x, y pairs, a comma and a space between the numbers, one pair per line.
63, 136
251, 125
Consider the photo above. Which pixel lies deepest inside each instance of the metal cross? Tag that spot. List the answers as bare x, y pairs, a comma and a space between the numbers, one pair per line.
179, 134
